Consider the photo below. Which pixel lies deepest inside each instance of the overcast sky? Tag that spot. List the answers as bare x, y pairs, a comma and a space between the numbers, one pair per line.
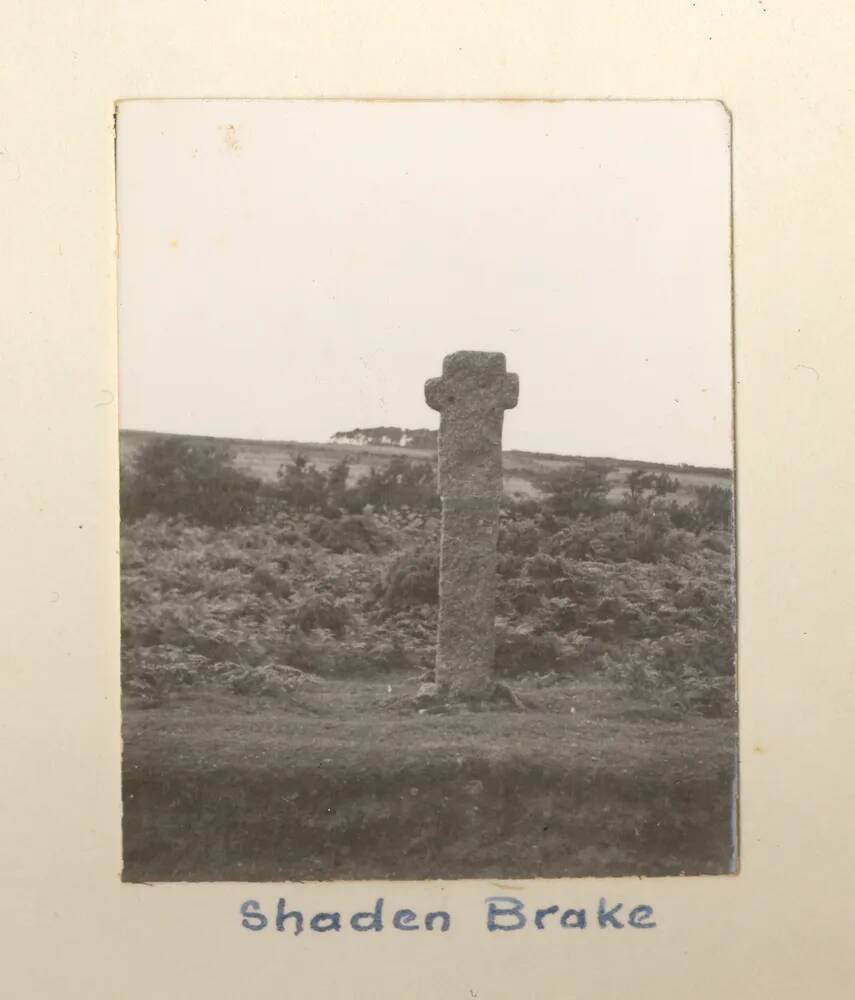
292, 269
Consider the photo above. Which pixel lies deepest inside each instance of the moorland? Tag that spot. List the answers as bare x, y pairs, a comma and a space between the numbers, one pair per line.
278, 615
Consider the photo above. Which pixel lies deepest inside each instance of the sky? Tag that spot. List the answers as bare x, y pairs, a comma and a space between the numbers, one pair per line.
290, 269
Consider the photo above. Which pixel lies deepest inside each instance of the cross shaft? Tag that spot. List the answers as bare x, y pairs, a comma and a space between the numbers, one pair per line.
471, 396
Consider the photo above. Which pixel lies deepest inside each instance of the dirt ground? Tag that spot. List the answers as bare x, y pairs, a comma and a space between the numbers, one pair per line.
344, 779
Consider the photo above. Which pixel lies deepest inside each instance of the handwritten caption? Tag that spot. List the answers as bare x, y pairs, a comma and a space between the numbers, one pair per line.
501, 913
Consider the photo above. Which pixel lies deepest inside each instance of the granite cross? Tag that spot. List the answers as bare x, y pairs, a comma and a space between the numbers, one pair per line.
472, 395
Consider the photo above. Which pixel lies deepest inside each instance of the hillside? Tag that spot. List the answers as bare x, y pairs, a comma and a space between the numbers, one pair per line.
523, 470
275, 642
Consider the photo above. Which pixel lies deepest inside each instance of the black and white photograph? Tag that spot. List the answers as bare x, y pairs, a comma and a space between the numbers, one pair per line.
427, 490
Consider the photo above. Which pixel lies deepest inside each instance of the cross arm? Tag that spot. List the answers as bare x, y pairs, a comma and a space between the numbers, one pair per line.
510, 391
436, 394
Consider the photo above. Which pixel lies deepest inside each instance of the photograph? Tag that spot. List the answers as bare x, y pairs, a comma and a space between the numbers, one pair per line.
427, 483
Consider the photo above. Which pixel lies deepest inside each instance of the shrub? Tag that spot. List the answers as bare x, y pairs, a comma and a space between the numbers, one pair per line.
318, 651
684, 516
714, 506
348, 533
412, 579
561, 613
642, 485
717, 541
691, 671
521, 507
321, 613
385, 657
509, 566
577, 490
302, 486
649, 529
269, 680
519, 537
543, 567
522, 651
153, 673
576, 540
677, 542
337, 476
401, 484
171, 476
268, 579
520, 597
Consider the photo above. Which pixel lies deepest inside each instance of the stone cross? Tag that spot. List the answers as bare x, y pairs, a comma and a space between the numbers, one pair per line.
472, 395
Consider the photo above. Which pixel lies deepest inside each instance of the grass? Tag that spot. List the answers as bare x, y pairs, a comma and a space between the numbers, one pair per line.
345, 780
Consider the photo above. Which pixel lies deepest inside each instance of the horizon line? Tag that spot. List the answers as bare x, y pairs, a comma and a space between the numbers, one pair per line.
724, 469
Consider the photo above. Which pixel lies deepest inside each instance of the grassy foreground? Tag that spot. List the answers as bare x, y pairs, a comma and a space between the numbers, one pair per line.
343, 779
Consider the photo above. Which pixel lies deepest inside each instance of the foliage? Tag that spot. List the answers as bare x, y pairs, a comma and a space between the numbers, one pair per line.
691, 671
579, 490
642, 486
400, 484
323, 613
638, 596
519, 536
268, 579
170, 476
155, 674
301, 486
348, 533
412, 579
528, 650
714, 506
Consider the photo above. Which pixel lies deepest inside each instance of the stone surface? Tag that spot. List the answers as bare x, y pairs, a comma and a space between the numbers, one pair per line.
471, 395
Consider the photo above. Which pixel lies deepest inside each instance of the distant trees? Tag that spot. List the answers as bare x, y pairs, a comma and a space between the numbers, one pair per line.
400, 484
582, 491
579, 490
302, 486
171, 476
641, 485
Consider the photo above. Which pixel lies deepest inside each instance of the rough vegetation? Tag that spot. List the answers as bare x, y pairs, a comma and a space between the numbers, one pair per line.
291, 594
290, 575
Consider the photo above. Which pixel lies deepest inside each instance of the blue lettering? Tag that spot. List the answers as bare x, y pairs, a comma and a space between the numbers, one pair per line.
514, 912
403, 921
540, 914
639, 915
431, 918
574, 918
331, 920
607, 917
375, 916
250, 910
282, 916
